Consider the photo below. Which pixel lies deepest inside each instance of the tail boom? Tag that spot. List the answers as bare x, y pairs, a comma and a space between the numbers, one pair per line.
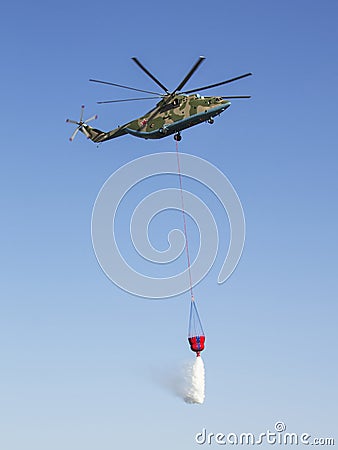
101, 136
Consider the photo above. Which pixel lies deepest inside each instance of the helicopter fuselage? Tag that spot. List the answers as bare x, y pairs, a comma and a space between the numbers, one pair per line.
181, 112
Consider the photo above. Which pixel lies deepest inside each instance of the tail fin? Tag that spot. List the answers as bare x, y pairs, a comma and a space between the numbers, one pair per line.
93, 134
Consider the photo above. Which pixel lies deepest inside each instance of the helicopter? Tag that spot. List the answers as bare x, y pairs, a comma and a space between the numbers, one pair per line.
175, 111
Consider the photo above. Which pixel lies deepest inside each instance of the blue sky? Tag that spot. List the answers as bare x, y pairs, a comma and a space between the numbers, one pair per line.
83, 364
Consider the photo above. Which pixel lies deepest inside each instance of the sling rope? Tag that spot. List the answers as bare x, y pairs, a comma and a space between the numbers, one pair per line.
184, 223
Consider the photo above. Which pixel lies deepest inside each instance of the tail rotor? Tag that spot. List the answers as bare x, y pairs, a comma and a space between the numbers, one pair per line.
82, 124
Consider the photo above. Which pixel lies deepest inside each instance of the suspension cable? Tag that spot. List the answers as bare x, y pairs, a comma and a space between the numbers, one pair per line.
184, 223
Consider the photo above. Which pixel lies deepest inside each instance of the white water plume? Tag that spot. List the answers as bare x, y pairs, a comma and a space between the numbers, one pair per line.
186, 381
195, 382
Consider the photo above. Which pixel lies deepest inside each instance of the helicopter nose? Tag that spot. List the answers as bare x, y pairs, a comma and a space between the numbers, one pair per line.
224, 106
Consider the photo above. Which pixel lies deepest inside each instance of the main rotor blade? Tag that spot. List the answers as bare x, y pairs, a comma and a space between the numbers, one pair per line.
124, 87
141, 66
217, 84
236, 96
189, 75
127, 100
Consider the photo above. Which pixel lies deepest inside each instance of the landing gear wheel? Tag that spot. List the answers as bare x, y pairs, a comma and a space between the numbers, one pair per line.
177, 137
211, 121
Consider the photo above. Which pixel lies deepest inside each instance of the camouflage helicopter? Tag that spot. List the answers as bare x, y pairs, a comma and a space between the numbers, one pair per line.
176, 111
